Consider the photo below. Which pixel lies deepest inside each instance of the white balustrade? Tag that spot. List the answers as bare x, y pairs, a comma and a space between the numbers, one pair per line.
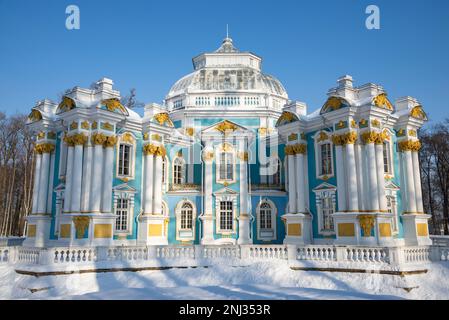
319, 253
29, 255
74, 255
417, 254
362, 254
173, 252
268, 252
221, 252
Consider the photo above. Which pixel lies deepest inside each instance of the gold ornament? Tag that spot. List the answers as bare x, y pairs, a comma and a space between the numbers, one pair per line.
293, 137
94, 125
35, 115
418, 113
78, 139
163, 118
370, 137
382, 101
332, 104
81, 223
243, 156
409, 145
106, 126
66, 104
127, 137
114, 104
208, 155
74, 125
226, 126
110, 141
98, 138
366, 223
85, 125
44, 148
375, 123
286, 117
323, 136
190, 131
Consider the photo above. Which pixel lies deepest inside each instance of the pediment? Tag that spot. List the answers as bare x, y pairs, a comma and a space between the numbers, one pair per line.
324, 186
225, 127
226, 191
124, 187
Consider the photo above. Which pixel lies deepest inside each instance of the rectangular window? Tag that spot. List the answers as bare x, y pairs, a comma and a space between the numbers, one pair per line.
226, 219
122, 211
226, 166
327, 208
326, 159
386, 154
124, 160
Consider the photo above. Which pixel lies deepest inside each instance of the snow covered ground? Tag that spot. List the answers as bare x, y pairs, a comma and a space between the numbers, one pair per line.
261, 280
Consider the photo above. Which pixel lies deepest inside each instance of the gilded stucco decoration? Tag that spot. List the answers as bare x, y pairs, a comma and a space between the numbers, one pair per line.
114, 105
366, 222
35, 115
299, 148
163, 118
382, 101
66, 104
409, 145
44, 148
98, 138
226, 127
332, 104
418, 113
81, 224
151, 149
286, 117
110, 141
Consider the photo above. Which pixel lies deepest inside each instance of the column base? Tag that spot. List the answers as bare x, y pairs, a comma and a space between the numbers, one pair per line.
151, 230
38, 231
93, 230
364, 228
297, 228
416, 229
244, 237
208, 229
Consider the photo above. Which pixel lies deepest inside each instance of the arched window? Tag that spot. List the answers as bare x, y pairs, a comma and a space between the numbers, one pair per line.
178, 171
186, 216
266, 216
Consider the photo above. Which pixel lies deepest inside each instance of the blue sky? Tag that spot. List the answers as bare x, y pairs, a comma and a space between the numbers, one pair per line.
148, 45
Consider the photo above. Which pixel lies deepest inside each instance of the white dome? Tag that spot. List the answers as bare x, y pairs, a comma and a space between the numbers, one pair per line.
227, 70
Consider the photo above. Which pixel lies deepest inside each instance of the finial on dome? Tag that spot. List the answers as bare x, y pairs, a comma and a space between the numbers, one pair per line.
227, 45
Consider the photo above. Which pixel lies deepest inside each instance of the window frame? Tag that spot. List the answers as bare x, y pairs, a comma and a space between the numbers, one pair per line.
129, 196
229, 149
318, 155
185, 234
174, 171
273, 217
325, 191
129, 141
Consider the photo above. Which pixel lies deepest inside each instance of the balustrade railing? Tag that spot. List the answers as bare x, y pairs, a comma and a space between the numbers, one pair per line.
74, 255
268, 252
376, 255
319, 253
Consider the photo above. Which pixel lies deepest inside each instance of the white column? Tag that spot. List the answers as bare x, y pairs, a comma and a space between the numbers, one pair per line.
68, 179
106, 199
243, 178
50, 182
292, 194
417, 180
77, 178
97, 174
157, 192
208, 181
244, 228
207, 218
148, 185
87, 172
372, 176
360, 175
190, 164
380, 177
341, 179
300, 176
37, 170
409, 181
351, 169
43, 183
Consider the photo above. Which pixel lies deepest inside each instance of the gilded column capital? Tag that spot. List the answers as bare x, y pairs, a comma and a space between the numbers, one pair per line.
299, 148
371, 137
79, 139
110, 141
160, 151
44, 148
151, 149
98, 138
345, 138
409, 145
